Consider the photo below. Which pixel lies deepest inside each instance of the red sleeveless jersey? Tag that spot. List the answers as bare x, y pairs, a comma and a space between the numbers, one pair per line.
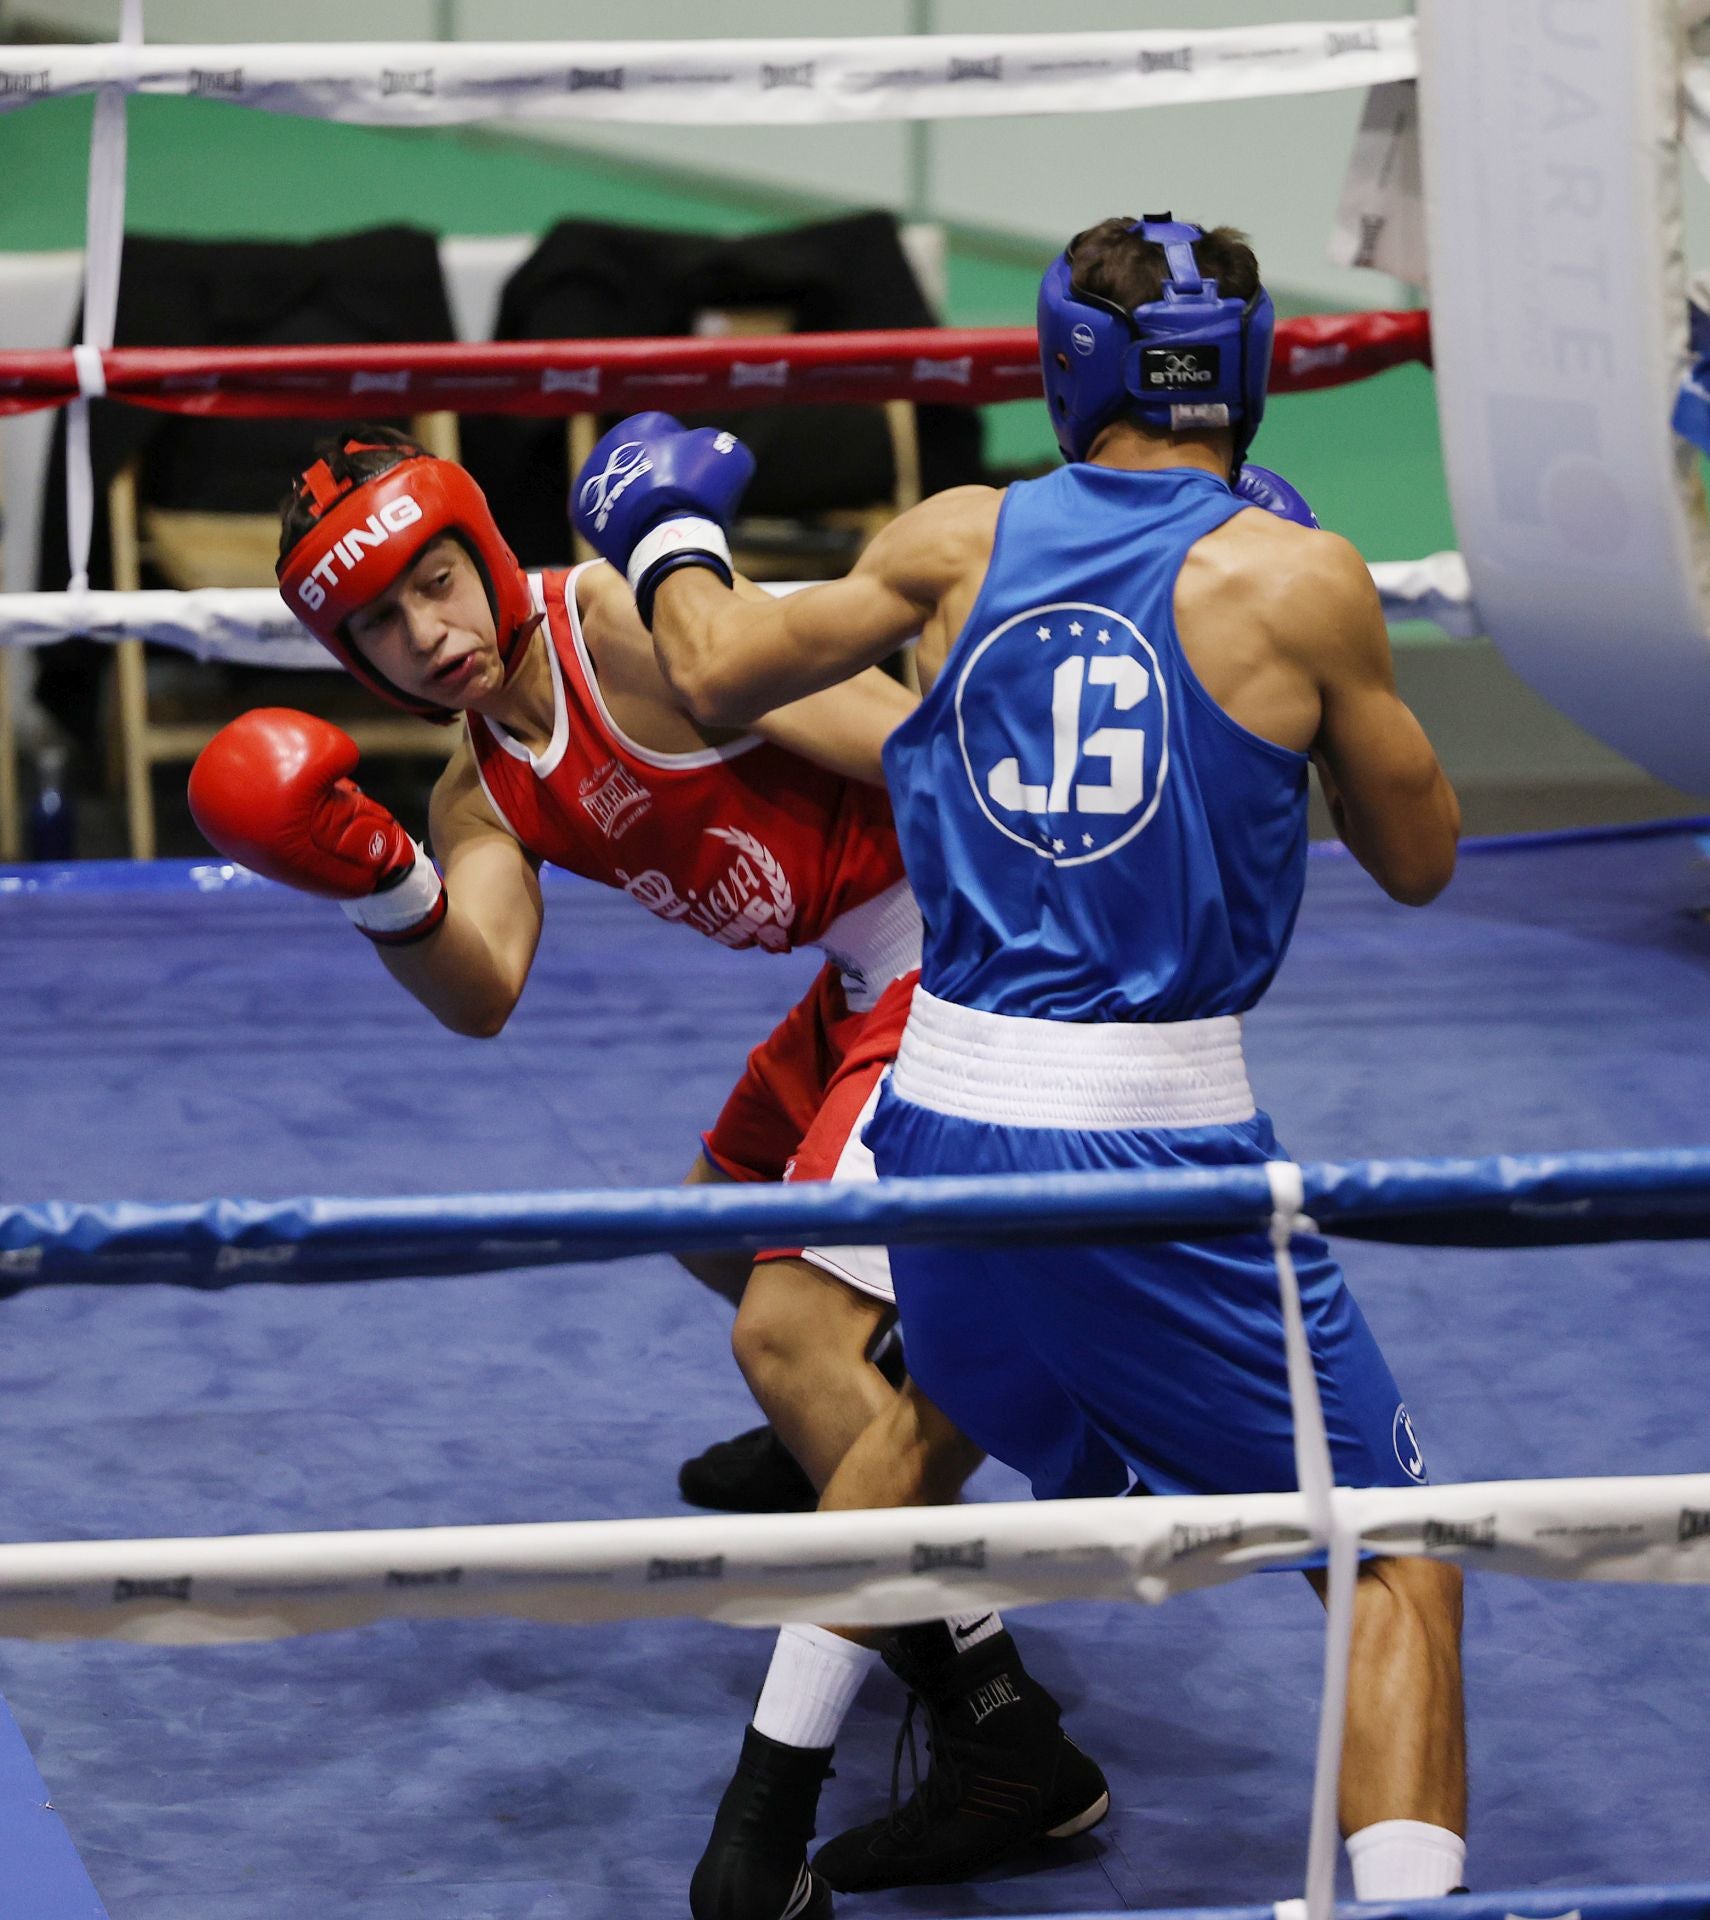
747, 843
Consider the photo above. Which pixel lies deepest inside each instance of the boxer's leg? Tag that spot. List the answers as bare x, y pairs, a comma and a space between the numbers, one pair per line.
725, 1274
802, 1339
1403, 1802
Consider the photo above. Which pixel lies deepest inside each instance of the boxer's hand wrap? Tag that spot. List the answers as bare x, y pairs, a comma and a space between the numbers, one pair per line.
406, 906
673, 544
653, 497
273, 790
1260, 487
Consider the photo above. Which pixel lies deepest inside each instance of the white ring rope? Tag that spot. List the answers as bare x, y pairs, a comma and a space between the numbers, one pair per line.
867, 1567
250, 625
736, 82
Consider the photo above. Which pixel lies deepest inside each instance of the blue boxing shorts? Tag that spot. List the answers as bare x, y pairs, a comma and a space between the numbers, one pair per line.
1082, 1366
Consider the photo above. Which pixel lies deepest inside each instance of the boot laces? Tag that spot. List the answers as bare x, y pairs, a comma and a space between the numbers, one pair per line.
940, 1790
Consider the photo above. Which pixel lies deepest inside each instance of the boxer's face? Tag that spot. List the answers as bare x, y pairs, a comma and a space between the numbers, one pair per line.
431, 632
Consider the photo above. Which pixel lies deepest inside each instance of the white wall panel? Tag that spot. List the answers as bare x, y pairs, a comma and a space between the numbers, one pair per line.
1273, 167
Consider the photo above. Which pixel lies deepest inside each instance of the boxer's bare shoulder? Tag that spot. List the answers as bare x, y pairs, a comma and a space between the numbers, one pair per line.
460, 812
935, 557
1263, 607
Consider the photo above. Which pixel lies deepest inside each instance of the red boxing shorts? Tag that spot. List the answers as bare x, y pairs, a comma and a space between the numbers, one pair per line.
798, 1110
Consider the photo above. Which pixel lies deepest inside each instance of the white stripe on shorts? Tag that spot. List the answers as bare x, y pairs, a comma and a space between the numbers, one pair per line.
866, 1269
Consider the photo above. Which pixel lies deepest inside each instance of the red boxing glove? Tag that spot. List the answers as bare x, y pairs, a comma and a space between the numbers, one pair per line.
273, 790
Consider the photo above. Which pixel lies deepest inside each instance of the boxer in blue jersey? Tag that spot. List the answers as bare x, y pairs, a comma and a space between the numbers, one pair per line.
1102, 807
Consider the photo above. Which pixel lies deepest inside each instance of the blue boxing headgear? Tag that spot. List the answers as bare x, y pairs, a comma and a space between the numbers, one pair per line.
1188, 361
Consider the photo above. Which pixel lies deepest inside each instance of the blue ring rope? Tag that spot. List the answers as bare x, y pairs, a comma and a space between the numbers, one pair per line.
1686, 1902
1521, 1200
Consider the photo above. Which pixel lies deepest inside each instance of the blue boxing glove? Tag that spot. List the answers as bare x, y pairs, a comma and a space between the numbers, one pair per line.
1259, 487
654, 496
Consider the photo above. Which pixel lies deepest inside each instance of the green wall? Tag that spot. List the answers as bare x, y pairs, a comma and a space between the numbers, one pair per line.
1367, 456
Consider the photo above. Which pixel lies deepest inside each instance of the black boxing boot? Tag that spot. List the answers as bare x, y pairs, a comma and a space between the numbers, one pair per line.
756, 1865
1002, 1770
753, 1473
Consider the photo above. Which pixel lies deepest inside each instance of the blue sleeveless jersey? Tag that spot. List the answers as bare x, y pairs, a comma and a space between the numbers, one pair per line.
1089, 835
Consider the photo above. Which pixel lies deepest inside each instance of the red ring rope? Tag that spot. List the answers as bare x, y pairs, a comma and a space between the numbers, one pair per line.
962, 366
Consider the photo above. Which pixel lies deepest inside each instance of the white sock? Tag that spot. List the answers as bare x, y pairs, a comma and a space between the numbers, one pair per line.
1405, 1860
969, 1629
810, 1685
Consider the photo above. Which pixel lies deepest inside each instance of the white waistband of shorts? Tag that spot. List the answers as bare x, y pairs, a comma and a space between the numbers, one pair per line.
1067, 1073
873, 944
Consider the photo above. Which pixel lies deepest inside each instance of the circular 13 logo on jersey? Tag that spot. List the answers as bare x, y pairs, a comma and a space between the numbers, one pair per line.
1063, 723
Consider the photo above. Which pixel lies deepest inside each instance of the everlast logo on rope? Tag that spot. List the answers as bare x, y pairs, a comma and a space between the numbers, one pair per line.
992, 1694
1371, 232
425, 1577
1310, 359
420, 80
596, 79
1172, 60
1355, 40
1694, 1524
1461, 1533
957, 1553
14, 85
392, 518
178, 1589
216, 83
711, 1568
229, 1259
958, 371
977, 69
1186, 1540
798, 75
570, 379
760, 373
1179, 369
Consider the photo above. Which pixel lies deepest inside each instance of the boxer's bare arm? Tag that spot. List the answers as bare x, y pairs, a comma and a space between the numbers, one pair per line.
730, 659
845, 727
1391, 801
470, 972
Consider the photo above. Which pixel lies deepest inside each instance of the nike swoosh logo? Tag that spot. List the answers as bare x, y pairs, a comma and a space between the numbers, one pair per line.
964, 1633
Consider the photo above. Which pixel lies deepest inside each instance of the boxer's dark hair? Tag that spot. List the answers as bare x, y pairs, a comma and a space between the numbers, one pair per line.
359, 453
1118, 265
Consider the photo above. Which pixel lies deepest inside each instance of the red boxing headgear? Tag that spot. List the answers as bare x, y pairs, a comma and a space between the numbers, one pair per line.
366, 532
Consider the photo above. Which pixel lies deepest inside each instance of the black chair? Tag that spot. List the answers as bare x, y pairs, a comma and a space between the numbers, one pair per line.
826, 476
186, 502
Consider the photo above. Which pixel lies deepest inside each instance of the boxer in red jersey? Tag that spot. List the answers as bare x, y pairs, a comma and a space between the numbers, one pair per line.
574, 751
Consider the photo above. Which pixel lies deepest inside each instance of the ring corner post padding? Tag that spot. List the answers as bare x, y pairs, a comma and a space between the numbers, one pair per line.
1558, 304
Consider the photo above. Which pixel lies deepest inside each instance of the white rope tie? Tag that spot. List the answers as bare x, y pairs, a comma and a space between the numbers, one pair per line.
1331, 1528
91, 371
104, 239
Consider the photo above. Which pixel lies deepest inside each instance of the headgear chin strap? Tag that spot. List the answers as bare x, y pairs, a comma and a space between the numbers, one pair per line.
367, 532
1188, 361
